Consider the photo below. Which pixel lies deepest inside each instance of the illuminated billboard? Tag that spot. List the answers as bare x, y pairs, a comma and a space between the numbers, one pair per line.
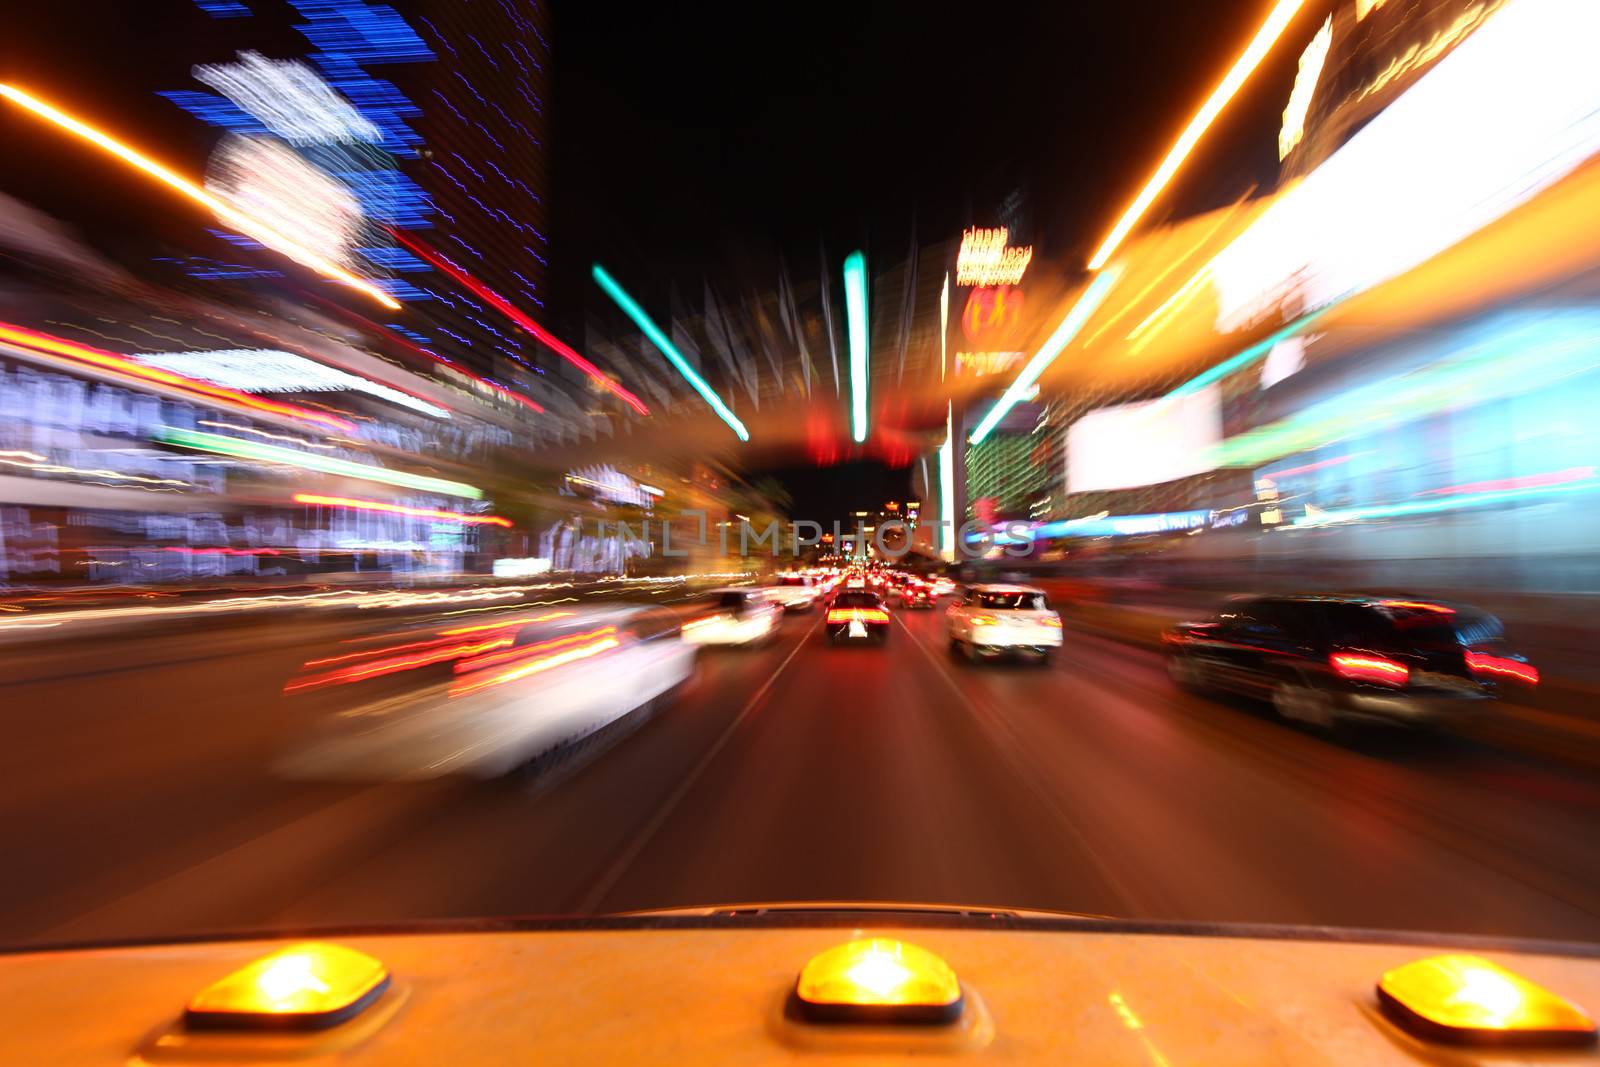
1144, 444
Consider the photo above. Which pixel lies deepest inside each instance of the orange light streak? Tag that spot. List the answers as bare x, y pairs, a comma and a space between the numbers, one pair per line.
522, 652
60, 346
1282, 14
399, 509
545, 664
396, 664
245, 224
546, 617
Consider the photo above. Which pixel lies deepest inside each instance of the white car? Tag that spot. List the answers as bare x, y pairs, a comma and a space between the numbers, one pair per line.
741, 616
795, 592
991, 619
550, 689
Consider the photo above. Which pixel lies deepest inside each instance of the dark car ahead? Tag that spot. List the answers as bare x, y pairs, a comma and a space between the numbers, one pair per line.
857, 615
1323, 659
916, 593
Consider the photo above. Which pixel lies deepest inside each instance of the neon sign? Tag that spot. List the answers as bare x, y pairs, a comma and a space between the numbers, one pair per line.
986, 259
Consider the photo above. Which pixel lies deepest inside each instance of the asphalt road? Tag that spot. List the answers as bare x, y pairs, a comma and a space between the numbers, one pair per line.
136, 799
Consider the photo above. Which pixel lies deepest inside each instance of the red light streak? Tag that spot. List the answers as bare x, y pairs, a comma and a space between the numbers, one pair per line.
510, 311
186, 551
60, 346
515, 654
1527, 481
1364, 668
399, 509
372, 652
397, 664
1309, 467
1483, 663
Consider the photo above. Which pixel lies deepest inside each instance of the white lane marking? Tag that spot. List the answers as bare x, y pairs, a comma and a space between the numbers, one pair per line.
619, 866
1026, 775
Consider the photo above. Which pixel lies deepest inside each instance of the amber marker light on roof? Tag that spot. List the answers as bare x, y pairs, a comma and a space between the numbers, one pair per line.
878, 980
1471, 1001
309, 986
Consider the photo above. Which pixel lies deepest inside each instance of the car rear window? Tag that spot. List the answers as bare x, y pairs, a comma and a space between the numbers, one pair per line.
1432, 628
731, 600
856, 600
1011, 601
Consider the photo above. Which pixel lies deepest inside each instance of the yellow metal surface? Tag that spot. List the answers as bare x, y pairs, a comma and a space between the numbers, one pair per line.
714, 996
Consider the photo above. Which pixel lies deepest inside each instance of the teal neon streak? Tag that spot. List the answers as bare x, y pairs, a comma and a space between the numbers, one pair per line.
1075, 319
651, 330
1249, 355
855, 306
1448, 503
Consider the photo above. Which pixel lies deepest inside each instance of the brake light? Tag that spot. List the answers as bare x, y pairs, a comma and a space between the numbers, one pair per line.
1364, 667
1500, 666
984, 620
858, 615
1052, 622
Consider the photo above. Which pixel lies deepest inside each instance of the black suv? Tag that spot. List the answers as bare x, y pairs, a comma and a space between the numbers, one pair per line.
1320, 659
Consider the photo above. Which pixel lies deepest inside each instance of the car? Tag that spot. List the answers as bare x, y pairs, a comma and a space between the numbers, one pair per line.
1321, 660
738, 616
857, 615
531, 694
916, 594
990, 620
795, 592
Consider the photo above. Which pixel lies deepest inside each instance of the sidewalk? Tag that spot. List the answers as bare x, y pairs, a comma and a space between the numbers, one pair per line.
1559, 720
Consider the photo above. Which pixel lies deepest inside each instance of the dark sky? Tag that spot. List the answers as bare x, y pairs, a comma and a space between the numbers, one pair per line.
704, 137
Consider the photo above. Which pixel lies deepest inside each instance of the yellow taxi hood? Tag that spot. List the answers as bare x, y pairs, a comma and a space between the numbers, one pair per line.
709, 991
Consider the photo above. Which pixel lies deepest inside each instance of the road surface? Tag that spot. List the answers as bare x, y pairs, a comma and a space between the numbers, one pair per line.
139, 800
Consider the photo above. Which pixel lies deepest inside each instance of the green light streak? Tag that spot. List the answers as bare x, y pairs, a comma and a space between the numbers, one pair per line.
855, 306
233, 446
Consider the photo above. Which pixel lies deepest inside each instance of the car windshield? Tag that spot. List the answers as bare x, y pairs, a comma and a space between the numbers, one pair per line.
449, 449
997, 601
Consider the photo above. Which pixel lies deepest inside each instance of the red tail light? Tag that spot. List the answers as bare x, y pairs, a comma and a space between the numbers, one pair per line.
858, 615
1501, 667
1365, 667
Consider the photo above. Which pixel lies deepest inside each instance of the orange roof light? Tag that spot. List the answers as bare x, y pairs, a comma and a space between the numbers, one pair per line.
307, 986
878, 980
1468, 1000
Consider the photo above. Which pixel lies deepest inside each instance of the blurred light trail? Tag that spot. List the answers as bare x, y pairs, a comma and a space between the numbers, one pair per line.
1455, 502
947, 486
631, 308
1074, 321
396, 664
245, 224
1251, 354
400, 509
1513, 109
546, 617
1242, 68
1527, 481
45, 343
1305, 87
603, 640
1309, 467
237, 428
510, 311
524, 651
855, 306
233, 446
267, 370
